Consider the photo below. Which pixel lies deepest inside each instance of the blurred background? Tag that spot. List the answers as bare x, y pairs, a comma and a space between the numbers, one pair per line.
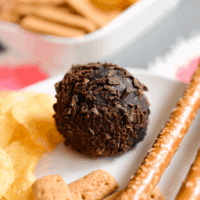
156, 36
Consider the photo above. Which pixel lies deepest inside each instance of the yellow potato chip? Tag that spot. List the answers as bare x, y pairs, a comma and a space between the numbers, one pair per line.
7, 173
6, 130
36, 114
1, 100
4, 94
11, 130
24, 160
13, 99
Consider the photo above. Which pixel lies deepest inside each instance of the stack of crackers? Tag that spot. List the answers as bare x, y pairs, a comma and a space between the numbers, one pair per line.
94, 186
65, 18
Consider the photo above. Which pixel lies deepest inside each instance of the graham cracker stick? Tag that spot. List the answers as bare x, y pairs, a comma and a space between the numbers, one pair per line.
25, 9
113, 196
56, 14
88, 10
9, 17
6, 7
167, 143
190, 189
32, 8
156, 195
95, 186
39, 25
51, 187
56, 2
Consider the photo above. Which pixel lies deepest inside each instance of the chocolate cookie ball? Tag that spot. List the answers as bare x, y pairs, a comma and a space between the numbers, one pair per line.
101, 109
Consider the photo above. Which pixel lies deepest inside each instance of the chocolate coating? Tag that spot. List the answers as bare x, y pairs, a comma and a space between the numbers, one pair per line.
101, 109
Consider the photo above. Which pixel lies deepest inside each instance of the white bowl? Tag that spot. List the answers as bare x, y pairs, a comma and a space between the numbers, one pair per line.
57, 54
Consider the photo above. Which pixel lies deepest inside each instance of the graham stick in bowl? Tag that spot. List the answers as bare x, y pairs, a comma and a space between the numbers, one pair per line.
56, 14
190, 189
6, 7
167, 143
54, 2
39, 25
9, 17
89, 11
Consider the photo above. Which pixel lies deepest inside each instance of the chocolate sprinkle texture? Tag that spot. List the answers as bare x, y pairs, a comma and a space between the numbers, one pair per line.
101, 109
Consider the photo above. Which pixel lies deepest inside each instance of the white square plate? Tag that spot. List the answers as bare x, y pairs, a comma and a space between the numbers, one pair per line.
163, 95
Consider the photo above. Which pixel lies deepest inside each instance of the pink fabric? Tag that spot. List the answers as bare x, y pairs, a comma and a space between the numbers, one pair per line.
20, 76
185, 73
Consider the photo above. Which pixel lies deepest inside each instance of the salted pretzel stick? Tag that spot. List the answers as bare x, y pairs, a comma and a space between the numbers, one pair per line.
167, 143
190, 188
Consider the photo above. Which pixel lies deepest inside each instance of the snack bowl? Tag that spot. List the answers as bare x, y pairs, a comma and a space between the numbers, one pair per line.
62, 52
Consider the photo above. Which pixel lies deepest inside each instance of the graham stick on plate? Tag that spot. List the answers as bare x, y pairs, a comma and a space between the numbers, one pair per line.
155, 195
167, 143
190, 188
51, 187
94, 186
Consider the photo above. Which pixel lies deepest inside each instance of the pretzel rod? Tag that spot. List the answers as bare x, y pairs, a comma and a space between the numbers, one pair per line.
190, 187
167, 143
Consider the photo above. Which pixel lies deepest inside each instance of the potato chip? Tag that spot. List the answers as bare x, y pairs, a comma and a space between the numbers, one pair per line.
13, 99
10, 130
4, 94
7, 174
1, 100
36, 114
24, 160
27, 131
6, 130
